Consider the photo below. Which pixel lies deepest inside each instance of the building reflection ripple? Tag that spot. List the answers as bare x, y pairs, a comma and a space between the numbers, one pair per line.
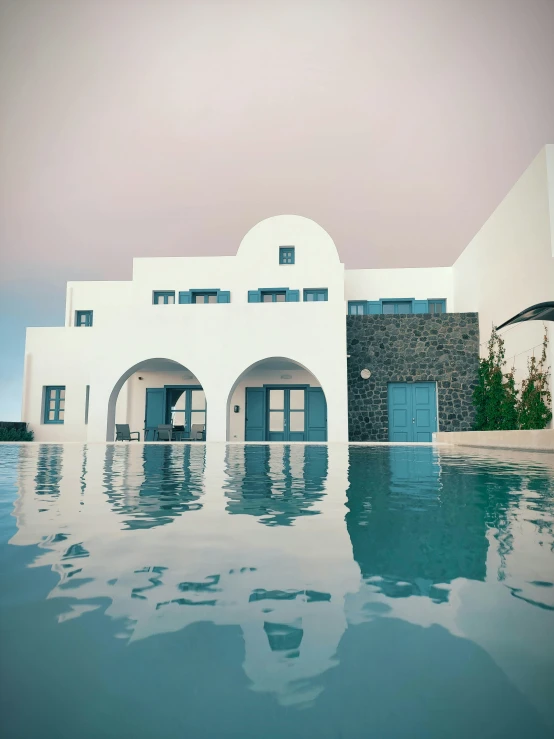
294, 546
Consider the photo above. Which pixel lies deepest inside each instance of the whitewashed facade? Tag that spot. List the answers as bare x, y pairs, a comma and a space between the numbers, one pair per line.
149, 333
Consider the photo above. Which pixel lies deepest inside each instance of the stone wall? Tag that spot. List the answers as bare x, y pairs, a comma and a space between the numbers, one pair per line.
411, 348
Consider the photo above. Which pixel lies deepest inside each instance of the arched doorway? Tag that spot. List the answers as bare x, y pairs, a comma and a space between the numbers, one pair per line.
276, 399
158, 392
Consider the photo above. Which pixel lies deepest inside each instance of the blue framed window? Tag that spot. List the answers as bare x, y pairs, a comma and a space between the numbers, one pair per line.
274, 296
204, 297
314, 295
163, 297
286, 255
83, 318
214, 295
437, 306
356, 307
54, 404
397, 306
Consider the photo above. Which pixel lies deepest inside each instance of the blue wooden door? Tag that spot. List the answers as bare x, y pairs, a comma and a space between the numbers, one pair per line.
255, 414
155, 411
412, 411
317, 414
424, 409
285, 414
295, 414
400, 410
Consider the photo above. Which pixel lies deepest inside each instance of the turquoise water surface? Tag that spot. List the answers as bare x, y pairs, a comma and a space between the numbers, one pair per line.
329, 592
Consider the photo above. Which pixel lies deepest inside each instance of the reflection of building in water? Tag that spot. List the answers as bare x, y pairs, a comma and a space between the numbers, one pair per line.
169, 482
516, 491
431, 523
283, 584
404, 521
48, 470
277, 485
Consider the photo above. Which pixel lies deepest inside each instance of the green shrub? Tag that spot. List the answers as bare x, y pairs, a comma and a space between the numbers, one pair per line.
535, 401
15, 434
498, 403
495, 397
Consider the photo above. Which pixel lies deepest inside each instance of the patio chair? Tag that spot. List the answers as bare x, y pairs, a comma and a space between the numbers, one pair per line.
164, 432
122, 433
197, 432
178, 433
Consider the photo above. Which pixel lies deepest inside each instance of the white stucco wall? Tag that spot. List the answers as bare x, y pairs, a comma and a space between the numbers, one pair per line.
106, 299
419, 283
217, 343
509, 264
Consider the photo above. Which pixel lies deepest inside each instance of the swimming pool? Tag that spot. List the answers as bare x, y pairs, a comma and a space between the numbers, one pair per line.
220, 590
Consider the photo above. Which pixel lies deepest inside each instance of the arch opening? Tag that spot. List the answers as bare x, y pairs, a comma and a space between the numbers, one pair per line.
276, 399
154, 393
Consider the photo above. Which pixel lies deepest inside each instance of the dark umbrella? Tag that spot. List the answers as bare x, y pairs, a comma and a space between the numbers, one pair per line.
538, 312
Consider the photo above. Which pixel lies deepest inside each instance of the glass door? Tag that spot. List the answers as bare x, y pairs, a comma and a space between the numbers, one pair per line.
296, 414
185, 407
197, 415
286, 411
276, 414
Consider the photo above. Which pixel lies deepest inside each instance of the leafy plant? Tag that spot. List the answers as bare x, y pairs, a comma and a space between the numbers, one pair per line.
15, 434
509, 404
535, 401
495, 397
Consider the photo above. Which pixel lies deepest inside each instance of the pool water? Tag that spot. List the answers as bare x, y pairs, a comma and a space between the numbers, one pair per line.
195, 591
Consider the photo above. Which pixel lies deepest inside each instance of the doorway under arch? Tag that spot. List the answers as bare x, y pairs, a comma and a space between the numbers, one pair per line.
276, 399
157, 392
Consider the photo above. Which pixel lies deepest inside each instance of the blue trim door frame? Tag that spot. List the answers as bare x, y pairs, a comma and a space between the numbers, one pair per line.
160, 409
285, 413
412, 410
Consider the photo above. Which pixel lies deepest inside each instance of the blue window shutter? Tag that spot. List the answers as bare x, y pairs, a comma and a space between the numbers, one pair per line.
224, 296
184, 297
293, 296
420, 306
254, 296
373, 307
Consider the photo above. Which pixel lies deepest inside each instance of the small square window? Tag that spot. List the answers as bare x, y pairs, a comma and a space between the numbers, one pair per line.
83, 318
205, 297
317, 296
356, 308
397, 306
274, 296
286, 255
437, 306
164, 297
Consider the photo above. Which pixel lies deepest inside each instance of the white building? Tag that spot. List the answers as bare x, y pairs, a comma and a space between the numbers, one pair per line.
254, 347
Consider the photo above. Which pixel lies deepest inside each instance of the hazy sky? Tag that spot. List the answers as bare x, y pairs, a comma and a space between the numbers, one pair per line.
170, 127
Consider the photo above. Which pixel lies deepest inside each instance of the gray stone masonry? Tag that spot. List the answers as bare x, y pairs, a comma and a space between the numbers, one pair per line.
440, 348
